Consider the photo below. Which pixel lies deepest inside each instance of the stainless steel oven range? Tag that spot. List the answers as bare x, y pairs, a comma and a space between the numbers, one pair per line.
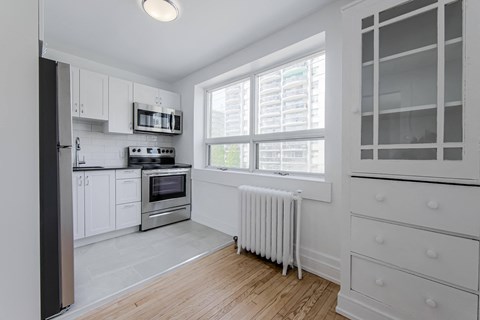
166, 186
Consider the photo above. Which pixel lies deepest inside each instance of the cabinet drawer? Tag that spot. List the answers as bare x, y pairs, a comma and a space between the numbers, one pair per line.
128, 215
128, 190
413, 296
447, 258
128, 173
440, 206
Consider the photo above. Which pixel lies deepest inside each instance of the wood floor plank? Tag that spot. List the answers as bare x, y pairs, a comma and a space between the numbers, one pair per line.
225, 285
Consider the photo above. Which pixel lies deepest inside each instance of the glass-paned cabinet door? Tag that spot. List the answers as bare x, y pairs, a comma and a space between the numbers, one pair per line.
412, 113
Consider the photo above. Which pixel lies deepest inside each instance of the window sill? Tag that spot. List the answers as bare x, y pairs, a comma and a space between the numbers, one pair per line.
313, 188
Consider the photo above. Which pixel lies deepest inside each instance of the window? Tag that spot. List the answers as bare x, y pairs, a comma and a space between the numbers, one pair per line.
270, 121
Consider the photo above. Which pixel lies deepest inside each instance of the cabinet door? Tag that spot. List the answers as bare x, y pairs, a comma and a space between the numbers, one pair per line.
128, 215
93, 95
99, 202
128, 190
120, 106
405, 82
145, 94
75, 90
169, 99
78, 205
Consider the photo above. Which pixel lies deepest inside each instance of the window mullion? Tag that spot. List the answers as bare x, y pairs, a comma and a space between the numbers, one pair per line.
253, 122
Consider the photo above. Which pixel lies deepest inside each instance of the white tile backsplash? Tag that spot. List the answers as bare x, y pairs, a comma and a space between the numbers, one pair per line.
106, 149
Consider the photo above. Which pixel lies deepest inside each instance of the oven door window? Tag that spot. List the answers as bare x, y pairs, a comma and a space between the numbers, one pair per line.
167, 187
152, 119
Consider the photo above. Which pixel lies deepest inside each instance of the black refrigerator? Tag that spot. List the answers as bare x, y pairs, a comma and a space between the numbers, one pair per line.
56, 205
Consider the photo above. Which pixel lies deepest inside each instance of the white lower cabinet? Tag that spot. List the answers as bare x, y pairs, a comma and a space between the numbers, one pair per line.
128, 198
128, 190
128, 215
414, 297
99, 202
433, 254
78, 205
105, 200
405, 265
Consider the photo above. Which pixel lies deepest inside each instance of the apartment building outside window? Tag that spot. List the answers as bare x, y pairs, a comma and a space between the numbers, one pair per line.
270, 121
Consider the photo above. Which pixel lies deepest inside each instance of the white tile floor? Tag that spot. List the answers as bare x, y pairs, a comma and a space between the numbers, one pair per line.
107, 267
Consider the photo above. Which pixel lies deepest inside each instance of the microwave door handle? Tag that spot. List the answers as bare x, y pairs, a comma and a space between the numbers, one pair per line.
172, 121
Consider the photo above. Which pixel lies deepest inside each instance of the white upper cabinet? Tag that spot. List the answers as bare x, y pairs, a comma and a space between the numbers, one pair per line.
120, 106
145, 94
92, 91
156, 97
75, 90
410, 90
169, 99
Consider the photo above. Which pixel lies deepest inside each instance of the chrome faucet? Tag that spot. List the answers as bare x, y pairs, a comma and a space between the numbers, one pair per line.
78, 148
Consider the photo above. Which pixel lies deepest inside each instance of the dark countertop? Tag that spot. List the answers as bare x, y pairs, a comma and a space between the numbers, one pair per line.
87, 168
98, 168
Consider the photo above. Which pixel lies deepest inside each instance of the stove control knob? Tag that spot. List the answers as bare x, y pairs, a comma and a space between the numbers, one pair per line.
171, 151
163, 150
138, 150
133, 150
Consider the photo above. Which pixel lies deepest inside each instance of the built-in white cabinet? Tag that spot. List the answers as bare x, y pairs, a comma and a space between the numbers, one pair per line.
410, 69
155, 97
78, 205
411, 106
120, 106
89, 94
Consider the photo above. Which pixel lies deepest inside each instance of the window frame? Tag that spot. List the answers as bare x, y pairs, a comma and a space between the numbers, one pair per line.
253, 138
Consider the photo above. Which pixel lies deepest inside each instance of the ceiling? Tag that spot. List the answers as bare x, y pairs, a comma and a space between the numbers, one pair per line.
120, 34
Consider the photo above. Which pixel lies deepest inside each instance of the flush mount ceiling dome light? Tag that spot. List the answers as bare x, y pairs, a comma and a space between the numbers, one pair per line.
161, 10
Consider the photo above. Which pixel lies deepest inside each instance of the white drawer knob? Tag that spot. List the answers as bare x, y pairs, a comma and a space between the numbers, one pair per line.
432, 254
379, 282
431, 303
432, 205
379, 239
380, 197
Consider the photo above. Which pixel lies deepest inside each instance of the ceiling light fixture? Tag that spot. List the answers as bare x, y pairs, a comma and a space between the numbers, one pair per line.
161, 10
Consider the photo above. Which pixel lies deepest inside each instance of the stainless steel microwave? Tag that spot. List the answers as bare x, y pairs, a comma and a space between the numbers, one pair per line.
154, 119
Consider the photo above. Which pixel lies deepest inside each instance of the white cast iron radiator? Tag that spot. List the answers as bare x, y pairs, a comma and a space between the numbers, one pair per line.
267, 224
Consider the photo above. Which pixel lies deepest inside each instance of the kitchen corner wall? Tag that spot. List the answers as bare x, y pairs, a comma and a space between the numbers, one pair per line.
101, 149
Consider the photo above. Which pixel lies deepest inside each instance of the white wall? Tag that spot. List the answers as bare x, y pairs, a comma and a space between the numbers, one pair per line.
19, 193
103, 149
215, 204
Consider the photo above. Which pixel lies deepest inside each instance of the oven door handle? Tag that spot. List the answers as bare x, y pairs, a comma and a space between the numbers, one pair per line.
158, 174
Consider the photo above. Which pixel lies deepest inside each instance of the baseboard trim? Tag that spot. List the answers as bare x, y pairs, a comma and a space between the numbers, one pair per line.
104, 236
320, 264
356, 310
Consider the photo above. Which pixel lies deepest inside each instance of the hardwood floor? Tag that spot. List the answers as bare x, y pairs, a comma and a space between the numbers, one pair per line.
225, 285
